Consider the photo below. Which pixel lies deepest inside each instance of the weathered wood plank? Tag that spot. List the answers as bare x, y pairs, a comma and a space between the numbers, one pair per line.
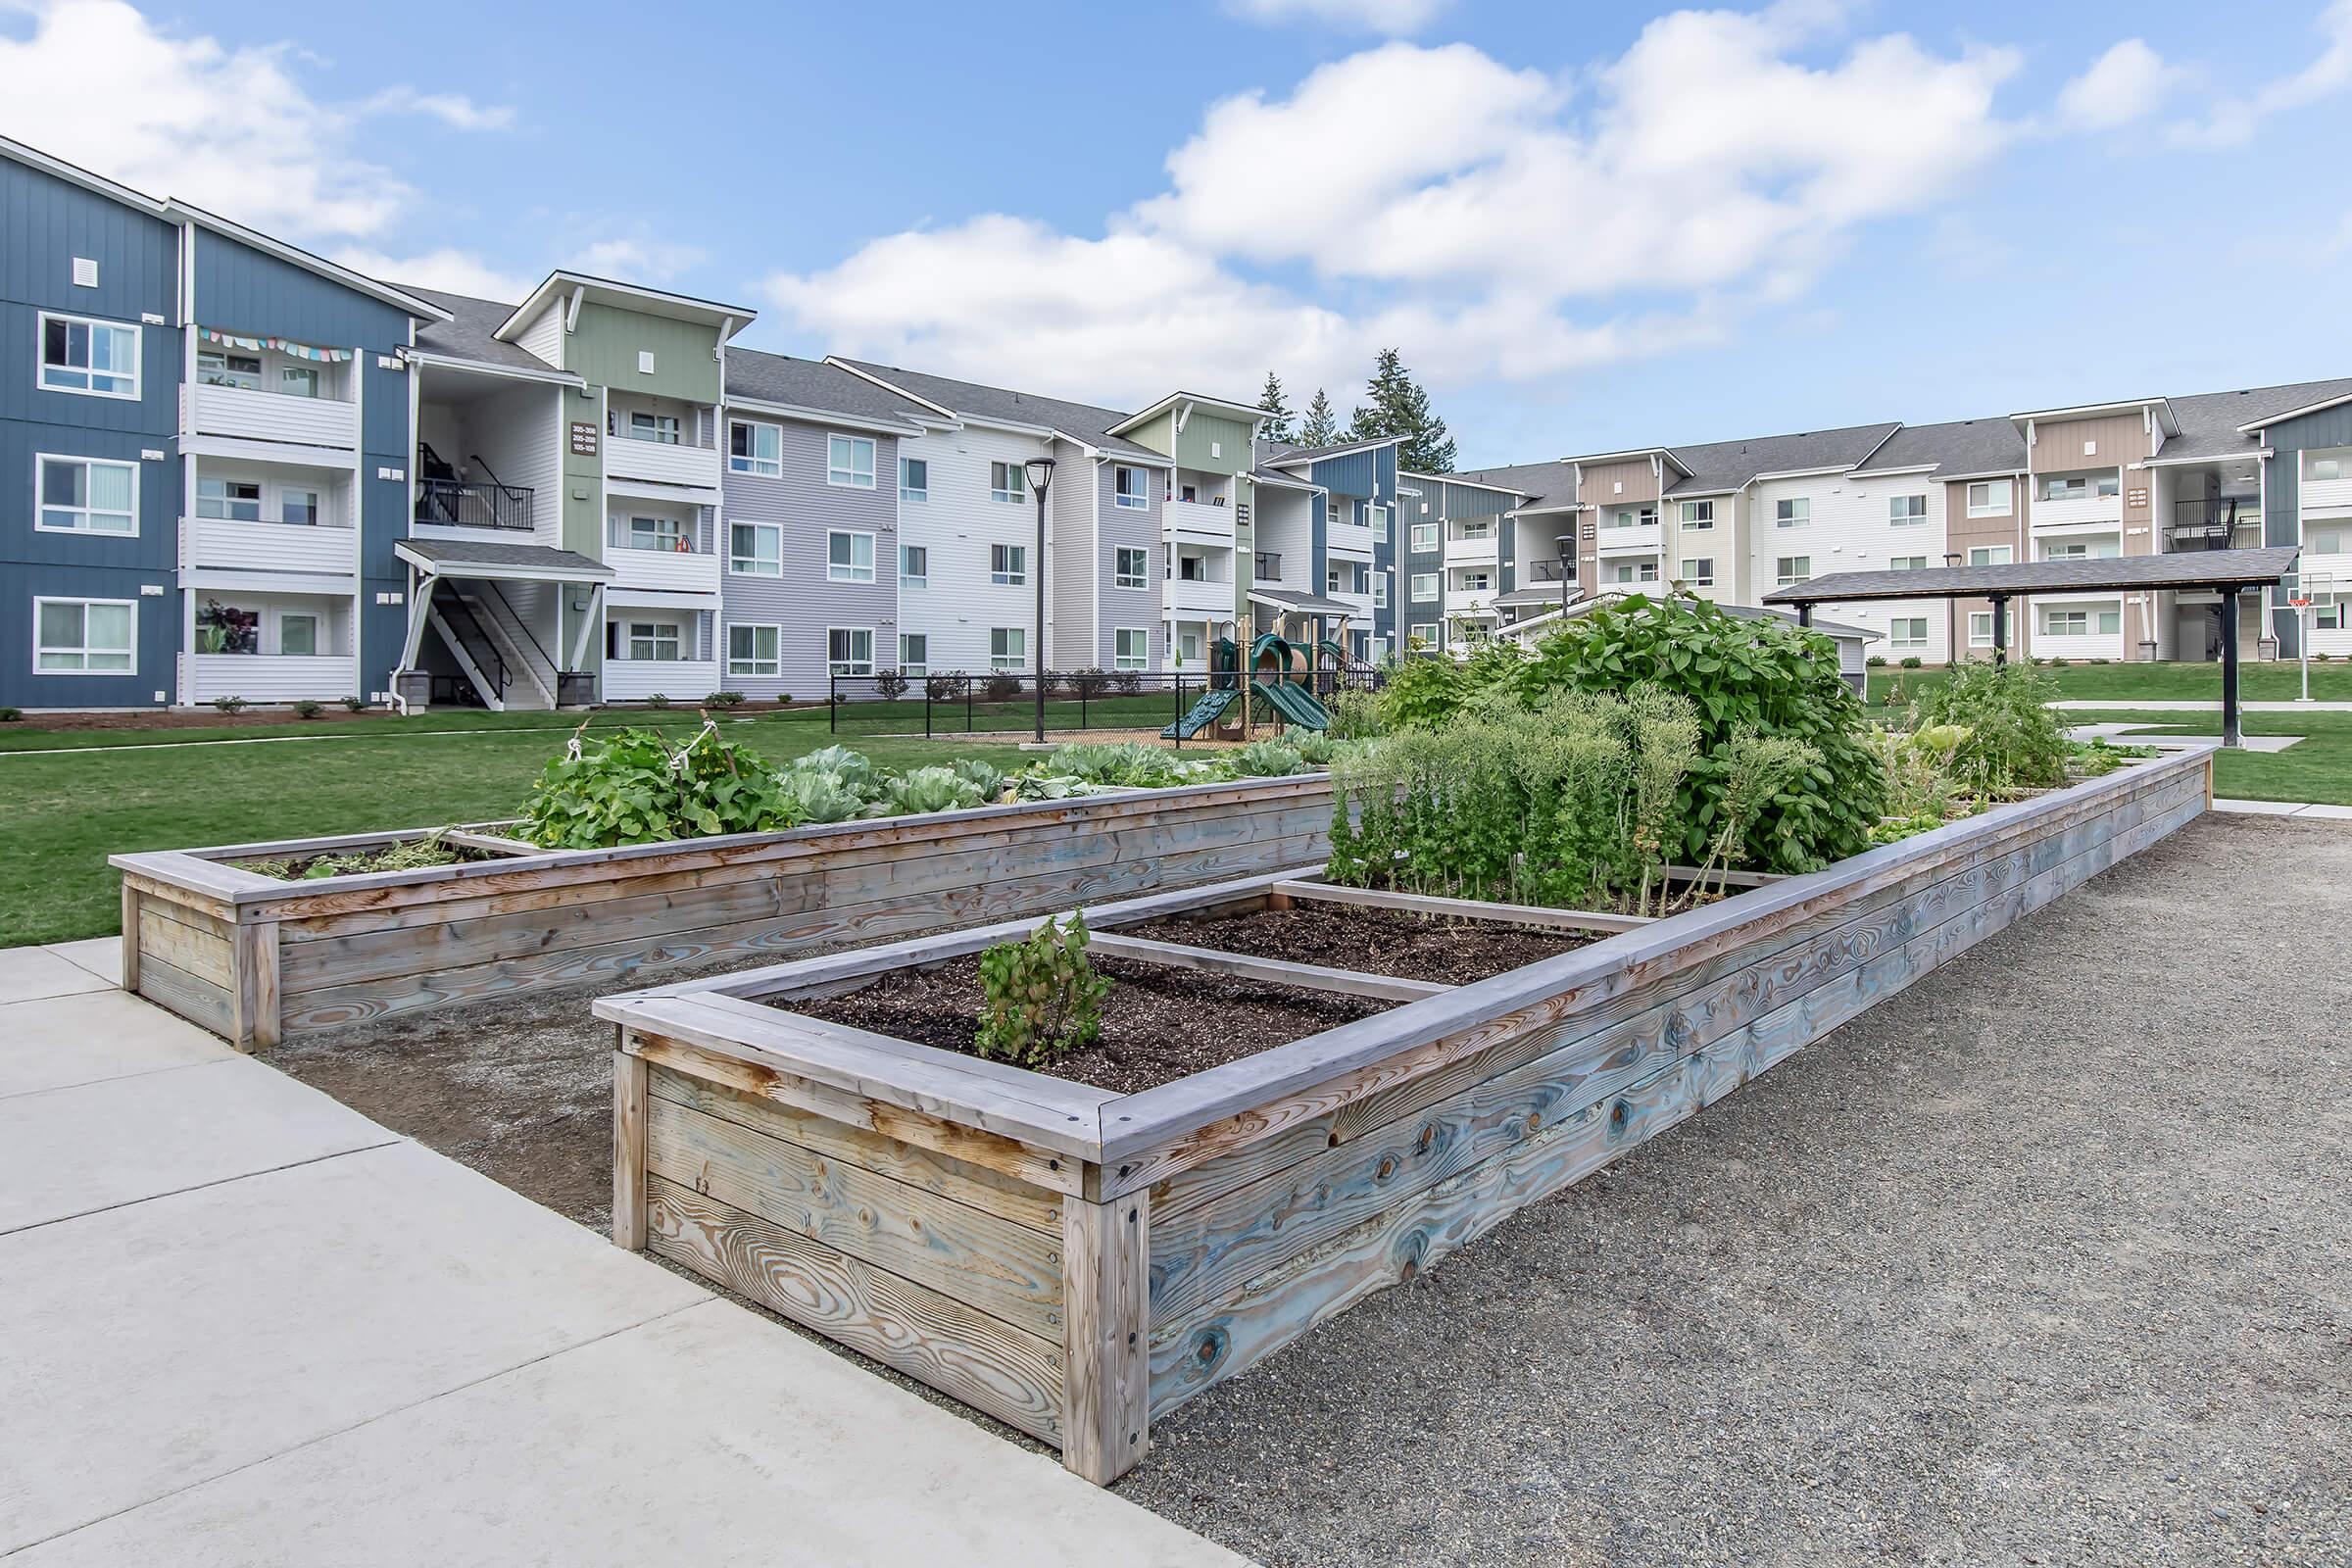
179, 897
987, 1363
1106, 1420
630, 1093
255, 1006
129, 946
1277, 971
185, 938
1465, 909
1009, 1271
175, 990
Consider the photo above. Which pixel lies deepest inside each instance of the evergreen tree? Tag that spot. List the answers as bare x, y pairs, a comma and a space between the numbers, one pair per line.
1279, 419
1400, 407
1322, 427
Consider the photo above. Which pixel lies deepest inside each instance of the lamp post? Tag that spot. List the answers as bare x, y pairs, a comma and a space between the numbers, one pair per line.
1041, 478
1951, 619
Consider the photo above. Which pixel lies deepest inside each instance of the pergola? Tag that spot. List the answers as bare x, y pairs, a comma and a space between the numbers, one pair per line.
2228, 571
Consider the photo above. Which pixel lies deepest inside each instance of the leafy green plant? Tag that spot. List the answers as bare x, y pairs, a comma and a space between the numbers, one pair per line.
1355, 715
723, 700
306, 709
403, 855
931, 788
816, 796
1268, 758
10, 715
1423, 694
636, 787
1314, 748
353, 705
1041, 998
851, 768
658, 700
2098, 756
2013, 740
985, 777
1125, 764
1912, 661
1876, 662
230, 704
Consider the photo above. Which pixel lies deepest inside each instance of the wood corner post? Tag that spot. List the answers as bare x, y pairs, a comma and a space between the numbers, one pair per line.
630, 1080
255, 1007
131, 937
1106, 1400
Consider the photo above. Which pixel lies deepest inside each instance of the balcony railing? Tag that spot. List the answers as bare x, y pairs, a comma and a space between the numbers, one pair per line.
246, 414
472, 504
2209, 524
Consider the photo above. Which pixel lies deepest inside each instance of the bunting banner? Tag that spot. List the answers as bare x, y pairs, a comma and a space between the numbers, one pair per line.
285, 346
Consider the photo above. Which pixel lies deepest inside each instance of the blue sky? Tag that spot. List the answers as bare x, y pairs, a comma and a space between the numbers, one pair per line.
1587, 226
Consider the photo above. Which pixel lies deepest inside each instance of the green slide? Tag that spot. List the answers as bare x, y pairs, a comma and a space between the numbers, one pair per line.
1205, 712
1294, 704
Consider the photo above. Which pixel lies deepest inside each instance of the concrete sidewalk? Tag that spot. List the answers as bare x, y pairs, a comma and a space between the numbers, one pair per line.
241, 1323
2177, 705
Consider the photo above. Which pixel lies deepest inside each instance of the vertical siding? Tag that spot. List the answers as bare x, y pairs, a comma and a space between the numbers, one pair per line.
1134, 528
957, 525
1072, 553
605, 344
1963, 533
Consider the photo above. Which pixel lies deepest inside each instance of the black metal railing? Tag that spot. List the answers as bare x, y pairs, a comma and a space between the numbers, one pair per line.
1004, 702
459, 617
472, 504
2209, 523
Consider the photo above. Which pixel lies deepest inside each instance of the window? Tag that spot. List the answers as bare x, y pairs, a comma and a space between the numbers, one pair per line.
1378, 517
755, 549
298, 508
1007, 648
849, 461
1789, 570
1907, 563
1380, 590
2079, 486
1009, 481
1425, 586
1474, 528
914, 478
1907, 512
1792, 513
84, 636
2328, 467
1989, 498
659, 428
1269, 565
2111, 622
1473, 582
85, 494
754, 448
297, 381
653, 641
1128, 487
1133, 568
1698, 515
1631, 517
1009, 564
1908, 633
1979, 629
1130, 648
1425, 634
2065, 622
848, 557
94, 357
2327, 611
220, 367
298, 635
230, 500
2329, 541
849, 649
915, 654
915, 565
1425, 537
2079, 550
1699, 571
755, 650
656, 533
1989, 556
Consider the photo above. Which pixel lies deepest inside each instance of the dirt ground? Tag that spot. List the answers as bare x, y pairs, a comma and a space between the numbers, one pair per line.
2047, 1259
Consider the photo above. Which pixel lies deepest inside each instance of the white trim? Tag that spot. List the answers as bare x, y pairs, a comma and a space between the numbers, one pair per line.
831, 662
942, 411
733, 570
915, 579
806, 414
727, 649
1189, 401
2294, 414
40, 505
1118, 575
835, 573
138, 354
1144, 660
874, 462
726, 453
516, 373
630, 296
1404, 475
131, 670
96, 184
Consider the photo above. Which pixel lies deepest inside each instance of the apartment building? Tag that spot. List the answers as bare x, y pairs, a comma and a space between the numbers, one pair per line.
1355, 551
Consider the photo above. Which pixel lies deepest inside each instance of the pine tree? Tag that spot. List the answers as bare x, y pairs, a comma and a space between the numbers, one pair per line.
1322, 427
1278, 419
1400, 407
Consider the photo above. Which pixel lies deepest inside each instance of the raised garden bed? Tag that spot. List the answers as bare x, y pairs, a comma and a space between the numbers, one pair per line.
1076, 1260
257, 958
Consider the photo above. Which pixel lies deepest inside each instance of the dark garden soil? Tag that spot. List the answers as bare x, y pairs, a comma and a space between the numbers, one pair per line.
1159, 1023
1391, 942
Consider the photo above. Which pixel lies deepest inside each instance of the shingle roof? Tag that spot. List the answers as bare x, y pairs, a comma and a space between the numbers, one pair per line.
1720, 466
2209, 420
1960, 447
1293, 452
1083, 420
813, 384
1536, 480
454, 554
2076, 574
467, 334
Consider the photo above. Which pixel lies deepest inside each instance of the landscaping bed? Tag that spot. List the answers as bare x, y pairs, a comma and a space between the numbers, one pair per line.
1395, 941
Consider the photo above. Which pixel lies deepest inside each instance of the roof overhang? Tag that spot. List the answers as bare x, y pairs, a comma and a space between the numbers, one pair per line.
561, 284
1186, 401
1467, 484
1662, 454
2158, 409
1892, 473
1281, 481
1301, 604
447, 558
2259, 425
2200, 460
96, 184
1344, 449
294, 256
1557, 509
512, 373
2187, 568
812, 416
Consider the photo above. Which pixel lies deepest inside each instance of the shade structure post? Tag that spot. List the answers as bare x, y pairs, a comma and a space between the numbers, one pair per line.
2000, 629
1804, 614
2230, 736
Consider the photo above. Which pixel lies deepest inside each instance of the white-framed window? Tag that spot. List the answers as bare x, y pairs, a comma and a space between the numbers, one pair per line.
1425, 586
1907, 563
2081, 550
849, 461
1007, 648
1130, 487
1380, 590
298, 509
1908, 633
2326, 466
2111, 622
1699, 571
1378, 519
1009, 564
2080, 486
661, 430
2328, 541
90, 357
1474, 528
1426, 634
86, 494
85, 636
915, 565
755, 549
1132, 569
755, 650
1425, 537
1474, 582
1698, 515
1979, 629
229, 500
849, 649
1008, 481
296, 381
1989, 556
915, 654
1792, 511
297, 634
2065, 622
223, 367
1331, 579
848, 557
1130, 648
1628, 572
1989, 498
2327, 611
652, 642
755, 447
1907, 512
1789, 570
914, 478
667, 535
1629, 518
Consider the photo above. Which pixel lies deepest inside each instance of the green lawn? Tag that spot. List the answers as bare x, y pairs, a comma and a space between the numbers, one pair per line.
2124, 683
2318, 769
62, 816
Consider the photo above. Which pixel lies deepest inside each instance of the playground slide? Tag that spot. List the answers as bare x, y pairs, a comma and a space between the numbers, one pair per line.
1205, 712
1296, 703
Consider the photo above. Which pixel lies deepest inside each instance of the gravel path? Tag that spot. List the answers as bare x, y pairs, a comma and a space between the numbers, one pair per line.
2047, 1259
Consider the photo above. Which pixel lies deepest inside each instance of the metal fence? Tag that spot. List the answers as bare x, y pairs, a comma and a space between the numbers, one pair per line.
958, 702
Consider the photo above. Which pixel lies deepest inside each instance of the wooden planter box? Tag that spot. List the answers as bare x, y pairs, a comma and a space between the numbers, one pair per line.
1076, 1262
257, 959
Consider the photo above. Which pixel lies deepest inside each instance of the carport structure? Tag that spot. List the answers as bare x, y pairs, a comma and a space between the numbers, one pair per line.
2227, 571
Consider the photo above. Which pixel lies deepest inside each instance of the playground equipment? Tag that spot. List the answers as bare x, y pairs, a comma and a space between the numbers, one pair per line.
1281, 690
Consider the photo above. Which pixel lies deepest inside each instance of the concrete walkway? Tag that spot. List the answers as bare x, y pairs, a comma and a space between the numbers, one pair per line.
242, 1324
2175, 705
2306, 809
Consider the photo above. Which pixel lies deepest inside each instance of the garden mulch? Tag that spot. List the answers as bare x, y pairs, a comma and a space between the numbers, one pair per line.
1390, 941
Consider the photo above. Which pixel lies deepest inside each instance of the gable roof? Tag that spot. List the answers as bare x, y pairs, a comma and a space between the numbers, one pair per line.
1081, 422
1223, 407
730, 318
76, 174
1532, 481
1718, 467
470, 332
816, 385
2223, 425
1956, 449
1286, 453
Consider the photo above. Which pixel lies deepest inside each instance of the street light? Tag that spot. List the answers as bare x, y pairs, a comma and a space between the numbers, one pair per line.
1040, 476
1952, 619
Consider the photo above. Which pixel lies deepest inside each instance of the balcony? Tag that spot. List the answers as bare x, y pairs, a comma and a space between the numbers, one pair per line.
1199, 598
1642, 539
267, 547
685, 571
271, 677
2209, 524
2325, 498
1200, 520
463, 504
2083, 512
1350, 540
633, 680
1473, 549
661, 463
245, 415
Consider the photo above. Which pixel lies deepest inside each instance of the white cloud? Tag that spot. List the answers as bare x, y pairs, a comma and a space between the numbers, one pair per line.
1397, 17
453, 108
455, 270
638, 258
2234, 121
2128, 82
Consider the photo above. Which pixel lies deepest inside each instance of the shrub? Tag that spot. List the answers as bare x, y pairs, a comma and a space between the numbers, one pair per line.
1127, 682
353, 705
230, 704
2058, 663
306, 709
890, 685
10, 715
1912, 661
632, 788
947, 686
658, 700
1876, 662
1042, 997
723, 700
1003, 686
2012, 740
1423, 694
